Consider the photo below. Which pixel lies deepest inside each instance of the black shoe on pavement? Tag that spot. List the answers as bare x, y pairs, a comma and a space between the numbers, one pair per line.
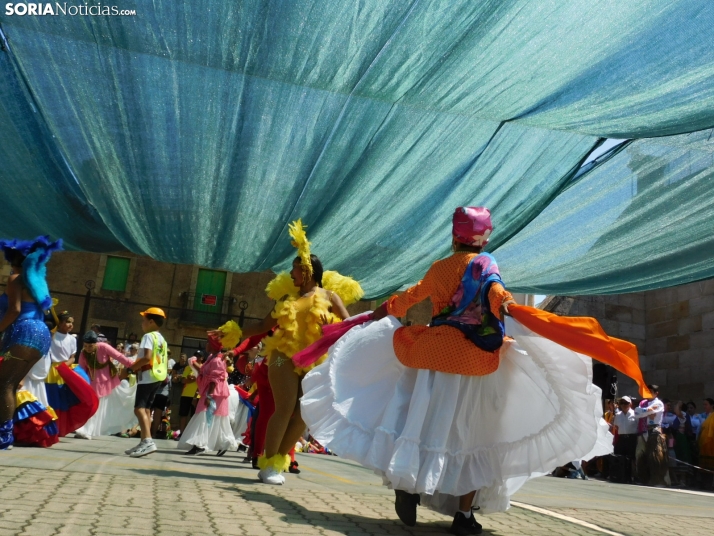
194, 451
463, 526
254, 462
221, 452
405, 505
294, 468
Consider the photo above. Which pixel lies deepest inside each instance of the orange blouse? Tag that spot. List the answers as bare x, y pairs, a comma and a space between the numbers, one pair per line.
443, 348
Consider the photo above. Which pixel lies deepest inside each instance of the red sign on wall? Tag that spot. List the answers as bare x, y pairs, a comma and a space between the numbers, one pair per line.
209, 299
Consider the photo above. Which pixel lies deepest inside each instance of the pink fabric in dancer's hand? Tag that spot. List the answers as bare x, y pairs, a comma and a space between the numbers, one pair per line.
331, 333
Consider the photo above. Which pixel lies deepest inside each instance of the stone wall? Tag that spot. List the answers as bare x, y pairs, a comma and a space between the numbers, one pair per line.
673, 329
150, 283
679, 352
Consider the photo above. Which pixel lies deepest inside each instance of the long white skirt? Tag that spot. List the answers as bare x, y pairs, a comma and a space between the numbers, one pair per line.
34, 381
37, 388
218, 436
445, 435
238, 413
114, 414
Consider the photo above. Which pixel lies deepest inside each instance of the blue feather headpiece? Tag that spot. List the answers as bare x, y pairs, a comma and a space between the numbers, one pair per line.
34, 268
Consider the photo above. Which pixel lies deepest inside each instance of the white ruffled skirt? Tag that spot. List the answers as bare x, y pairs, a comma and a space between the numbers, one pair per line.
444, 435
37, 388
238, 413
114, 414
218, 436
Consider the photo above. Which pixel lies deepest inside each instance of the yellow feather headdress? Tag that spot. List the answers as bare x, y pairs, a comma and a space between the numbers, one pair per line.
300, 241
346, 288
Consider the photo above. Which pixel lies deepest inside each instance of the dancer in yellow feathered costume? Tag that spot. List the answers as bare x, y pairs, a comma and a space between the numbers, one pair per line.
306, 299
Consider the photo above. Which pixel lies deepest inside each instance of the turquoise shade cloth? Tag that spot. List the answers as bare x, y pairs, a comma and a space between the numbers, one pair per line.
39, 192
195, 131
641, 220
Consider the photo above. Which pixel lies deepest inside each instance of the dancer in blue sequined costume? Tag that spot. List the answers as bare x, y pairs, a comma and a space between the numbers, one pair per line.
26, 337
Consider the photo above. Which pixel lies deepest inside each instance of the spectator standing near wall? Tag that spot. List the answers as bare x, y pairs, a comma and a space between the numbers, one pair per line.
652, 468
96, 328
625, 423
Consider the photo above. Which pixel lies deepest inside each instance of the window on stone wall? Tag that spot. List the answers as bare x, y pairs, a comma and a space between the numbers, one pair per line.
116, 274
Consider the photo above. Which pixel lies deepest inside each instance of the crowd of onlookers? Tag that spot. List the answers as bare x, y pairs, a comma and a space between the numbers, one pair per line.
656, 442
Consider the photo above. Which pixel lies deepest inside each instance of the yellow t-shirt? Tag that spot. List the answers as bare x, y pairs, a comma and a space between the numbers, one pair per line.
189, 389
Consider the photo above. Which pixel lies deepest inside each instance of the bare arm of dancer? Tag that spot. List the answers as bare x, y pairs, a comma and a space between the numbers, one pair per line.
338, 307
265, 325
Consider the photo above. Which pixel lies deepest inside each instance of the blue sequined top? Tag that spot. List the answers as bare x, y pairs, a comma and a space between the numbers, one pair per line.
28, 329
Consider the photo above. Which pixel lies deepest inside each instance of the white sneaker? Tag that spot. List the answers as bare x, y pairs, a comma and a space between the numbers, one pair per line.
132, 449
271, 476
80, 435
143, 450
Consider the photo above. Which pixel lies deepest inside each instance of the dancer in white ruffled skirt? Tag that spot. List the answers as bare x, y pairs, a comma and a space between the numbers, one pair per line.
209, 430
446, 419
443, 435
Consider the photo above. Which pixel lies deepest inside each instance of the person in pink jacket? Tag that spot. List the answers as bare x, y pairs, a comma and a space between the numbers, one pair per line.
210, 428
116, 396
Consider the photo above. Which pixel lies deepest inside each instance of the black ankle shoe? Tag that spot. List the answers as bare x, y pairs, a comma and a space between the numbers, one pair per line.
463, 526
405, 505
221, 452
194, 451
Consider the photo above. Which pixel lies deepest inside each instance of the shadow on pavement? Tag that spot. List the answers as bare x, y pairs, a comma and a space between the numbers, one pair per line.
296, 514
173, 473
216, 463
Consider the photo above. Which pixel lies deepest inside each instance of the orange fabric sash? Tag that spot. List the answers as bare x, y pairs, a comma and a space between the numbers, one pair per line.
584, 335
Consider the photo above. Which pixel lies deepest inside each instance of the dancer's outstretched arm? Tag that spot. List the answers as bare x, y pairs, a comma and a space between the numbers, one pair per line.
266, 325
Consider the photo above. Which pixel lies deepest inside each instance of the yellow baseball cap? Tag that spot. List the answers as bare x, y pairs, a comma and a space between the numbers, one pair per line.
153, 311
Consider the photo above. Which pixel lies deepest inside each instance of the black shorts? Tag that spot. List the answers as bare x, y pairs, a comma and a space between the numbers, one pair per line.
160, 402
145, 394
186, 406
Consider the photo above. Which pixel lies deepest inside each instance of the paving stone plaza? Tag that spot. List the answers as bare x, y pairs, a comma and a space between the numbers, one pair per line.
89, 488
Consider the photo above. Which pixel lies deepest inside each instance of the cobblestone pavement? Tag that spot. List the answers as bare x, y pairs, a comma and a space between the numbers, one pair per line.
90, 488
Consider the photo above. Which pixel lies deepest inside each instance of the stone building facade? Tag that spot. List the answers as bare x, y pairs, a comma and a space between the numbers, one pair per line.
673, 329
79, 280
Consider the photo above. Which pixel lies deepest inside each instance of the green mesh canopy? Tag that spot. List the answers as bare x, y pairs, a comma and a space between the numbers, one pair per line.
195, 131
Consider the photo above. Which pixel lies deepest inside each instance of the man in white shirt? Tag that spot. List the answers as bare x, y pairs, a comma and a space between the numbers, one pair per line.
652, 455
625, 423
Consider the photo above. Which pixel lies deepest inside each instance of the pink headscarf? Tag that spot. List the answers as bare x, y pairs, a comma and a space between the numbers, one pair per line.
472, 225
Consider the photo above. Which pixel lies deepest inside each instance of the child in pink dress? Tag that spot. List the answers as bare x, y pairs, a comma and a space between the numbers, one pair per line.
210, 428
116, 397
